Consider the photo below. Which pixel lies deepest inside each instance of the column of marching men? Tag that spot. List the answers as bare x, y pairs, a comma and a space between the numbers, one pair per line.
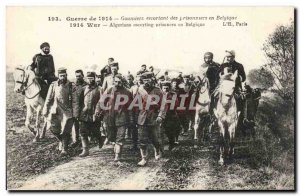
79, 104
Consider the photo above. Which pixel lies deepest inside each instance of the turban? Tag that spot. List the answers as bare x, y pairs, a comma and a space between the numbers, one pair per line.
43, 45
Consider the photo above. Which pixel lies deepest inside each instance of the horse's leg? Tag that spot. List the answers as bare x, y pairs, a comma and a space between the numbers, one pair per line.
222, 143
44, 129
196, 129
28, 117
37, 124
231, 130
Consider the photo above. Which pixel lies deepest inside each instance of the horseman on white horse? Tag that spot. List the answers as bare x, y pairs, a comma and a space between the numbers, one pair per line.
33, 81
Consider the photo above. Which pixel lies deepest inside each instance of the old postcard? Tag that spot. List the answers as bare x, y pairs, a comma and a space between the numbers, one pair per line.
150, 98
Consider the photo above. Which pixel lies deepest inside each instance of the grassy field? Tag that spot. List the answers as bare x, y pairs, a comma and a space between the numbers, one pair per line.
266, 164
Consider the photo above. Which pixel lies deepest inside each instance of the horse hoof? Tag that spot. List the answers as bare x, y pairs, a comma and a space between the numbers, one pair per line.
221, 162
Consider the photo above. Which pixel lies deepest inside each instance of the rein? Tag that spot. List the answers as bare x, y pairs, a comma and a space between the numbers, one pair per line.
24, 84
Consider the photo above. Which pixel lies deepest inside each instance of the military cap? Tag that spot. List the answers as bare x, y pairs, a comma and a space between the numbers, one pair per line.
61, 70
90, 74
45, 44
118, 77
208, 54
147, 75
174, 80
230, 53
161, 78
166, 83
186, 76
143, 65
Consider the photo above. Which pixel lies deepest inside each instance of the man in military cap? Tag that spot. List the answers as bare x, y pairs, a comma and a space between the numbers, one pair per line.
88, 99
160, 80
80, 84
43, 65
129, 79
61, 107
143, 70
231, 65
171, 123
149, 119
175, 88
180, 78
116, 115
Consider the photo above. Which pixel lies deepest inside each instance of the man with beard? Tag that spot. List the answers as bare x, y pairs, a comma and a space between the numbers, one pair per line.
149, 118
61, 107
171, 123
43, 67
88, 98
212, 73
80, 84
116, 115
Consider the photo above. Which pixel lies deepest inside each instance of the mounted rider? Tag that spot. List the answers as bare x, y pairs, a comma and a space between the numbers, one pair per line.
43, 66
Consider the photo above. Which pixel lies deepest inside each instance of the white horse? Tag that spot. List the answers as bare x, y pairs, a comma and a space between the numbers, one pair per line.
227, 114
202, 108
27, 84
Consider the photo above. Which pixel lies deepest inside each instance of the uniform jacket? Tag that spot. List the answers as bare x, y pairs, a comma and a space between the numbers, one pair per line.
147, 117
88, 99
120, 116
172, 118
62, 99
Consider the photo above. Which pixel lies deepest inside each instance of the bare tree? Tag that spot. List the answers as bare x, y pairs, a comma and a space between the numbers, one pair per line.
279, 51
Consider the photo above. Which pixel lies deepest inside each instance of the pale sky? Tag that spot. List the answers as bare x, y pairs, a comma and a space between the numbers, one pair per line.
179, 48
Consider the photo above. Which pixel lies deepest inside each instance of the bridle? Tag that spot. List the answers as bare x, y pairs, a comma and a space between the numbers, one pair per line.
24, 84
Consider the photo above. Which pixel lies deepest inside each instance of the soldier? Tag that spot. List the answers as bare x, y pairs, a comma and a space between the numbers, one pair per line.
88, 98
106, 70
80, 84
180, 78
43, 65
188, 89
143, 70
109, 79
61, 107
212, 73
149, 119
171, 123
232, 66
117, 116
181, 113
166, 75
98, 80
129, 79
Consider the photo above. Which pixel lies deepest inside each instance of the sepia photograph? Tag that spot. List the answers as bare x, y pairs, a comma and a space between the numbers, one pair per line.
152, 98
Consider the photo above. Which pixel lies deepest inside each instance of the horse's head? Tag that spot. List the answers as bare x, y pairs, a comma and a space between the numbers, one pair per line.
227, 85
22, 76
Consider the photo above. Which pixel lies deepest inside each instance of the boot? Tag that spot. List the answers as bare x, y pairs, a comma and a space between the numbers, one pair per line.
157, 153
64, 150
85, 149
144, 153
